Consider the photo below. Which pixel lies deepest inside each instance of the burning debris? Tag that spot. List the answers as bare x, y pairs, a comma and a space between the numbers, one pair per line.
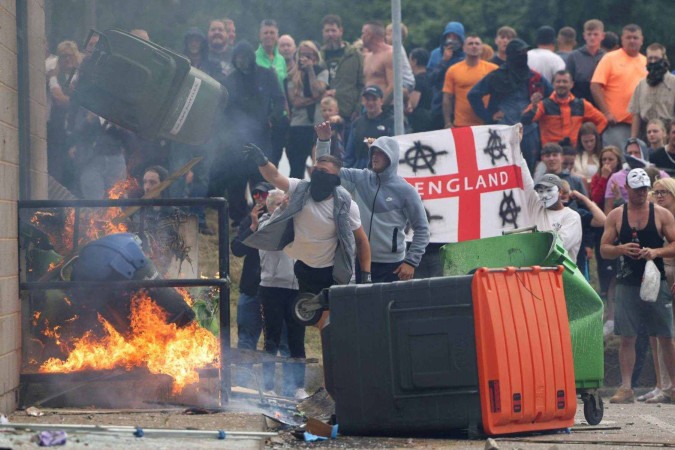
162, 347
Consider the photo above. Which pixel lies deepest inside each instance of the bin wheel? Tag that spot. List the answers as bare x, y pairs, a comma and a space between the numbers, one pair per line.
306, 309
593, 409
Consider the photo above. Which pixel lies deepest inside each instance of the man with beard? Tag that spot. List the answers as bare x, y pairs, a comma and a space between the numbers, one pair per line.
654, 96
218, 63
255, 101
320, 228
345, 69
388, 204
614, 80
511, 88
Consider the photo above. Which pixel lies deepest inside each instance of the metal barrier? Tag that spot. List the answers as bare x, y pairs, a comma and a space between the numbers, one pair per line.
222, 282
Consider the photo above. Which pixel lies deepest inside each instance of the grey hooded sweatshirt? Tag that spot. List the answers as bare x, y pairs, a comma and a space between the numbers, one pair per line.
387, 203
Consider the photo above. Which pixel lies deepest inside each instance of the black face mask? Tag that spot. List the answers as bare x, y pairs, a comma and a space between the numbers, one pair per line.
518, 60
657, 70
322, 185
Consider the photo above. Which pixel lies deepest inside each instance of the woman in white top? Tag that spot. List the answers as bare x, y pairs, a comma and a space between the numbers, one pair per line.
589, 145
306, 85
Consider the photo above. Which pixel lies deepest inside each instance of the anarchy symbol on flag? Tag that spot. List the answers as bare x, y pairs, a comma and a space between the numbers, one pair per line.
469, 177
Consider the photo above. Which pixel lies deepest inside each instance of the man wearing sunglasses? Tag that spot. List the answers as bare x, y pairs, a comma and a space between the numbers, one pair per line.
249, 318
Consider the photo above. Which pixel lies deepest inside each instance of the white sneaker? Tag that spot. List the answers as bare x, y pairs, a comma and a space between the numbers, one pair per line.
608, 328
301, 394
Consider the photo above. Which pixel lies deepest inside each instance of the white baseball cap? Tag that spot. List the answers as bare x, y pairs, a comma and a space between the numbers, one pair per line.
638, 178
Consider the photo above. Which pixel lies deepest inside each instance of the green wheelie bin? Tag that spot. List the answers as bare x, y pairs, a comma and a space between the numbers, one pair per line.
147, 89
584, 306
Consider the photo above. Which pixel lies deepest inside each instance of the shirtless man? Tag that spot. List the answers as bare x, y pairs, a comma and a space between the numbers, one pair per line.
378, 63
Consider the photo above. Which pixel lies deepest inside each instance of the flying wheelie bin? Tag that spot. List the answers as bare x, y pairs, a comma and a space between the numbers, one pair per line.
584, 306
147, 89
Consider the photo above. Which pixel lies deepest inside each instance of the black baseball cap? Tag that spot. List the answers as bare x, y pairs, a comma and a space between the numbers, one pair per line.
263, 186
516, 46
372, 90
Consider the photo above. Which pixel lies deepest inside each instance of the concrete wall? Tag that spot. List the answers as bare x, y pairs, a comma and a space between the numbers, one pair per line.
10, 316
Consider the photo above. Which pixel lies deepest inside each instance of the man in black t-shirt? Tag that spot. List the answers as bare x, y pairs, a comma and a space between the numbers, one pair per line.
418, 108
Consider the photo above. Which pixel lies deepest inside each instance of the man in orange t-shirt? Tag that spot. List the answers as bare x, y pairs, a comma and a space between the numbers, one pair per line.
614, 81
459, 79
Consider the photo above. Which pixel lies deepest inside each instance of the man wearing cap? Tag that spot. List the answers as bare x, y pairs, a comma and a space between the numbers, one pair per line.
369, 126
249, 318
548, 212
511, 88
388, 204
640, 227
543, 58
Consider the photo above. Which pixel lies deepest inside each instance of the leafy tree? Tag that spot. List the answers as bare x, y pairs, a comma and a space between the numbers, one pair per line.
167, 20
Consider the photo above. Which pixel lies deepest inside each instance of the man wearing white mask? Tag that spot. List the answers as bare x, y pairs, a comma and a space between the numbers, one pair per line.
548, 212
635, 233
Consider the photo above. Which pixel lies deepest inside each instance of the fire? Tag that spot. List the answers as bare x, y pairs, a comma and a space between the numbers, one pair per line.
161, 347
121, 188
185, 294
94, 223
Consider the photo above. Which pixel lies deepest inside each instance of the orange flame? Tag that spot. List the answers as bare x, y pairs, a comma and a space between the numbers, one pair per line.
185, 294
161, 347
100, 221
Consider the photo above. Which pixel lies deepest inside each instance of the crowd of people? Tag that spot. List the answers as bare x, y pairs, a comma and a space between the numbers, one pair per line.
598, 139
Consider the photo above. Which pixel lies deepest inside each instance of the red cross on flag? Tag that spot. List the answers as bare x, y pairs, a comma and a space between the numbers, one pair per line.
469, 179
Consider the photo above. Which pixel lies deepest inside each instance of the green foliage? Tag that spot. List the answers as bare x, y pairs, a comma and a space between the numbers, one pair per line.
167, 20
206, 309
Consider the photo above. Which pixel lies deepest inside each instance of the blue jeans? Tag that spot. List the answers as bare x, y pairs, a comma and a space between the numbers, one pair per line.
249, 321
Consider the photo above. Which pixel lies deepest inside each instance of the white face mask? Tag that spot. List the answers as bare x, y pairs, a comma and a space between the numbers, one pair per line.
548, 195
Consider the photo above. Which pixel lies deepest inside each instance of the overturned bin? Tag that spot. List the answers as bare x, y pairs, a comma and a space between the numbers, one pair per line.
441, 355
584, 306
147, 89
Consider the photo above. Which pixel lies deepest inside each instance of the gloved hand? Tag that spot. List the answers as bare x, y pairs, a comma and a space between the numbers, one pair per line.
365, 278
253, 153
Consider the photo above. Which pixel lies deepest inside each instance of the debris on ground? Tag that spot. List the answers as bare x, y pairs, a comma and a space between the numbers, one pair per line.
51, 438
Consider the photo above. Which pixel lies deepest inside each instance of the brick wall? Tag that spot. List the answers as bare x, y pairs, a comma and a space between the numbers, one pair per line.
10, 310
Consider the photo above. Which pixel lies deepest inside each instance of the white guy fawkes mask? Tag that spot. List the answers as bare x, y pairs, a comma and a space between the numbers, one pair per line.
547, 194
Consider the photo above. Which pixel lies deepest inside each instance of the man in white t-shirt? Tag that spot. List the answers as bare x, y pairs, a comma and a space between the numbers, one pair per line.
320, 228
548, 212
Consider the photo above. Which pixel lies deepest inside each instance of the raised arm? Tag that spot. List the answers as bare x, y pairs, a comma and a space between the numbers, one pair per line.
599, 217
268, 170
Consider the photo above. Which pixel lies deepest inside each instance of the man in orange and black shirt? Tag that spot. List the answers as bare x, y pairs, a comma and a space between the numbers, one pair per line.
561, 114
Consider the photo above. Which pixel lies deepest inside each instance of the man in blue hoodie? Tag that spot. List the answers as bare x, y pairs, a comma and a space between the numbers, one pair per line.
387, 204
442, 58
